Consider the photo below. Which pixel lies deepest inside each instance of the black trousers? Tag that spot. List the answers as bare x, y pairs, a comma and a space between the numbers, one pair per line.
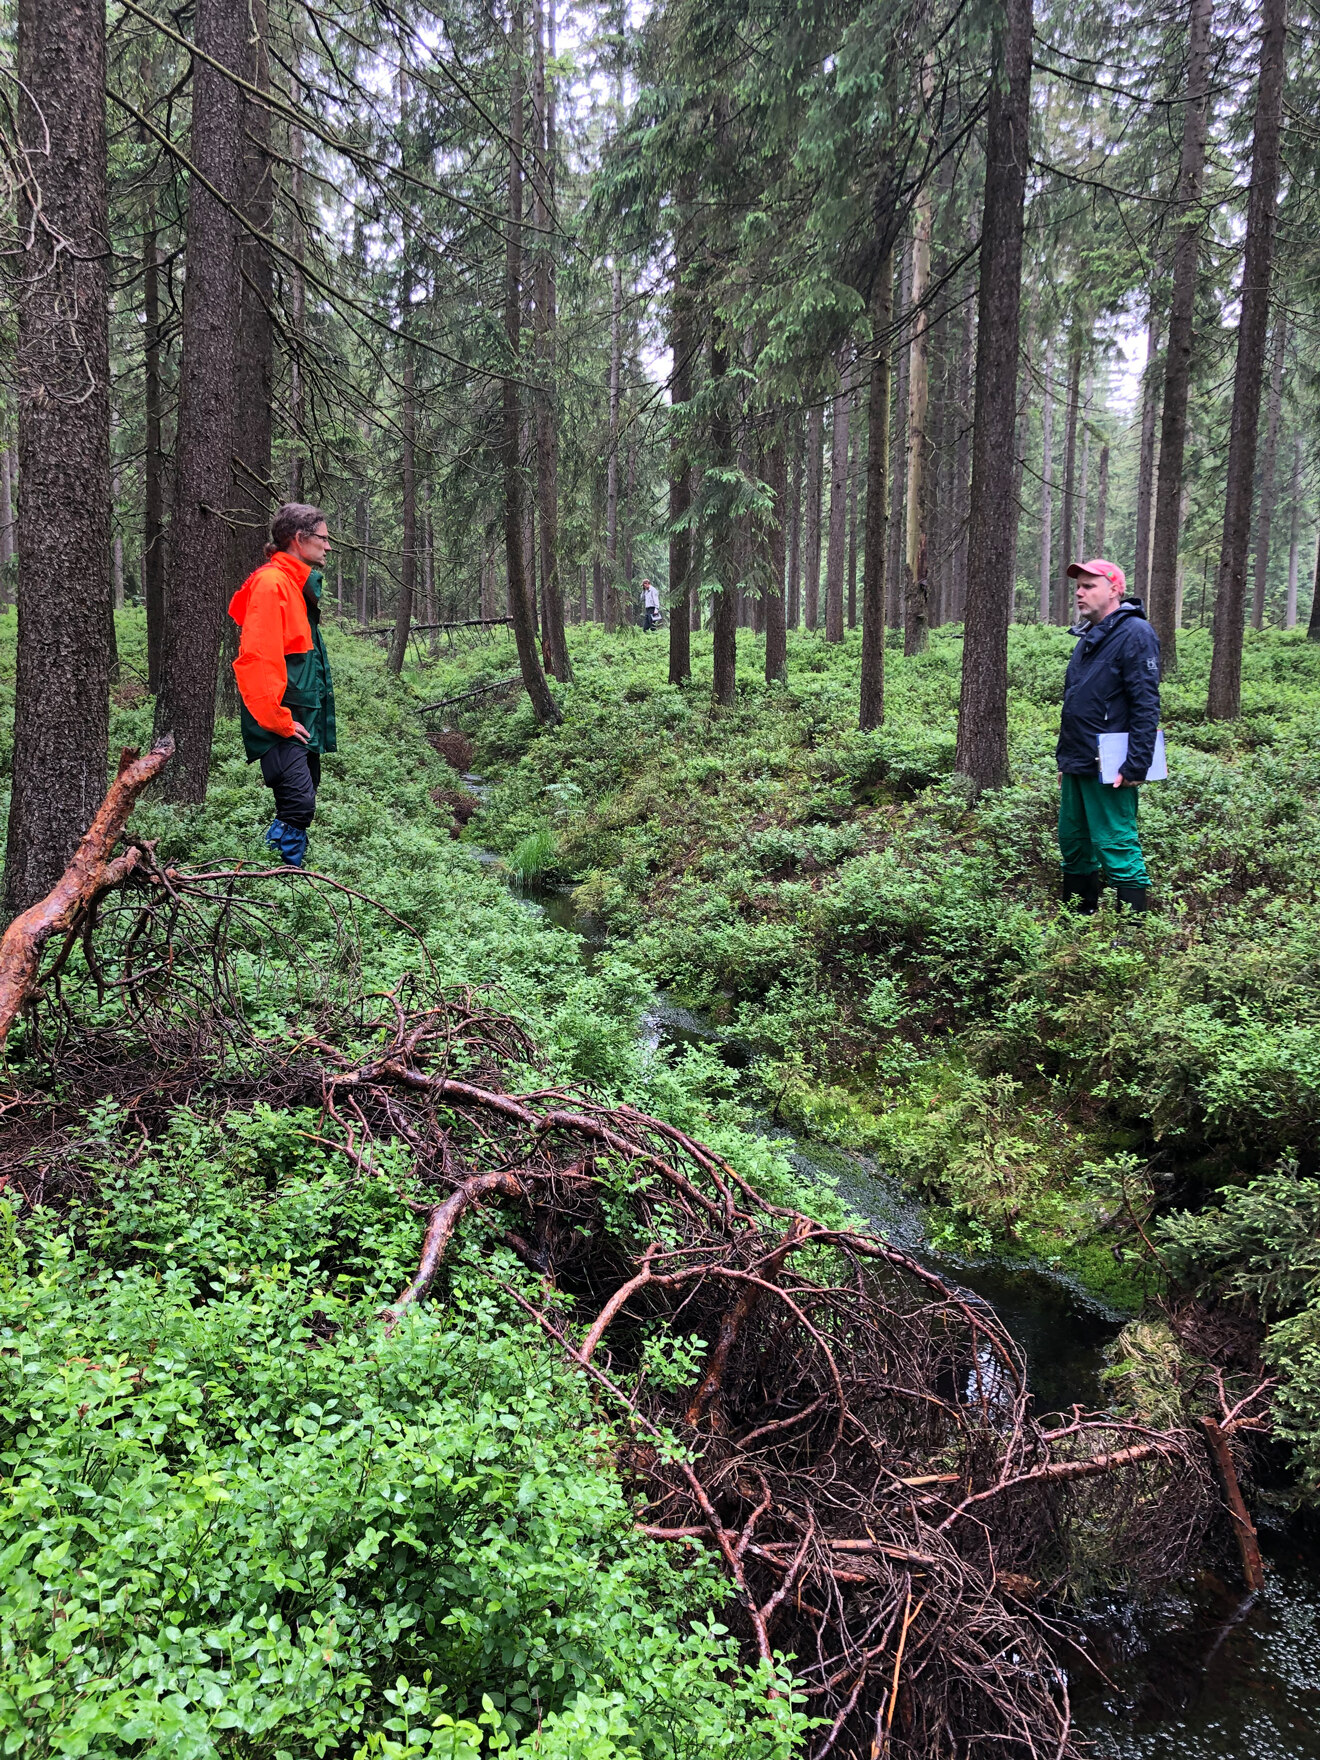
294, 775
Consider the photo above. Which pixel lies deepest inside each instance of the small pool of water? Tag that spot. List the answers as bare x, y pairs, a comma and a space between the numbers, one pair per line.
1202, 1674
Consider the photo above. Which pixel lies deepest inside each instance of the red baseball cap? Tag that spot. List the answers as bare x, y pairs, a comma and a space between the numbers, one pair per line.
1109, 571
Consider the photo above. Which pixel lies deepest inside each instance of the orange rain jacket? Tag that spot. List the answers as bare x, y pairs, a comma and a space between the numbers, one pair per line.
282, 671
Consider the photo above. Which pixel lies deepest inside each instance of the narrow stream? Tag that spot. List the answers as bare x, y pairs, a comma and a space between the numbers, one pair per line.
1201, 1674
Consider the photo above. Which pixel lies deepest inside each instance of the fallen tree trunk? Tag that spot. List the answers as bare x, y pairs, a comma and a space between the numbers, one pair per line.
89, 873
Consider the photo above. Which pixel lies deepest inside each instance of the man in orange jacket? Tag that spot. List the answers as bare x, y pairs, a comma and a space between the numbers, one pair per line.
283, 675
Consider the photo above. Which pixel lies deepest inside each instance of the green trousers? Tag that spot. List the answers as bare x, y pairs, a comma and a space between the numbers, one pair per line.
1098, 831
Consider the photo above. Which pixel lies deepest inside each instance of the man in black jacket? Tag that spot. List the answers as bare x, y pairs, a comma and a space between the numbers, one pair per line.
1112, 686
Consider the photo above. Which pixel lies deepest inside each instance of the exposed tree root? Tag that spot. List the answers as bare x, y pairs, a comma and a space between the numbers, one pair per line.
88, 877
856, 1440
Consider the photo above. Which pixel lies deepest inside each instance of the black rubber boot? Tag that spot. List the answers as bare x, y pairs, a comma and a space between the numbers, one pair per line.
1133, 898
1082, 892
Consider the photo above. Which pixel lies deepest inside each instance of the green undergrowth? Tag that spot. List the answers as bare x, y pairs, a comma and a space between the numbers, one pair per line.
235, 1518
893, 950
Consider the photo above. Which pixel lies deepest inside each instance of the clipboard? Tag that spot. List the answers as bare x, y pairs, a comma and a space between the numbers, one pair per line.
1114, 749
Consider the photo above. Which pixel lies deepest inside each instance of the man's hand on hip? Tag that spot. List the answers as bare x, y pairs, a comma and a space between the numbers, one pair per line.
300, 732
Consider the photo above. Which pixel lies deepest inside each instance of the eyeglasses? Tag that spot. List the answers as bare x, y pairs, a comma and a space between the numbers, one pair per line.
315, 537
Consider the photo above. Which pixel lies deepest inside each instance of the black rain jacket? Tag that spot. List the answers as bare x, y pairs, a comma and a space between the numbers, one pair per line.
1112, 686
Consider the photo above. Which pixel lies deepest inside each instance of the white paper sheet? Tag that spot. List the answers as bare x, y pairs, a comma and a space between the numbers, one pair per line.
1113, 750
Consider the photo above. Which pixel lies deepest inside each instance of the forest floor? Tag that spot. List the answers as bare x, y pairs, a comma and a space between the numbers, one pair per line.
223, 1515
893, 955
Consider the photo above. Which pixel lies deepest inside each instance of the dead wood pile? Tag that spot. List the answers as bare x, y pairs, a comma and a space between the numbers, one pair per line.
852, 1436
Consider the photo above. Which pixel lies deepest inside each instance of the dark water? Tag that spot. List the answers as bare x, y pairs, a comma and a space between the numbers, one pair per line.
1203, 1674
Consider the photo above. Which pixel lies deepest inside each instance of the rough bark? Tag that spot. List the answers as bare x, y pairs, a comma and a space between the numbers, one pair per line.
772, 596
962, 482
1084, 475
1150, 401
916, 585
1313, 622
254, 367
546, 398
724, 607
1225, 695
837, 554
1102, 501
408, 489
59, 286
854, 470
1047, 487
1294, 522
612, 460
811, 561
195, 594
1268, 473
520, 605
6, 524
875, 542
1163, 591
684, 340
297, 296
982, 748
898, 404
1068, 533
794, 616
362, 532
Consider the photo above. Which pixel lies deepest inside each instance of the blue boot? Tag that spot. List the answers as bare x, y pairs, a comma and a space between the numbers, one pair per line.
288, 841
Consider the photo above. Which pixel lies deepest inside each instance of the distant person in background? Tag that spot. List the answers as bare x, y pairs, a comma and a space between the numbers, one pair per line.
650, 606
283, 675
1112, 686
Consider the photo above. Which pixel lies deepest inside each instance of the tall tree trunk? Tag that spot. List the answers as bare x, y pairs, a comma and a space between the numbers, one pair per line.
1225, 696
837, 557
1268, 473
982, 749
1083, 479
962, 486
794, 615
875, 544
199, 550
684, 341
854, 470
543, 704
61, 376
254, 368
1068, 535
916, 585
153, 464
898, 406
724, 610
546, 397
612, 461
117, 543
1047, 487
1102, 501
362, 532
6, 525
1163, 598
1150, 399
815, 471
403, 614
1294, 521
297, 293
776, 629
1313, 622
